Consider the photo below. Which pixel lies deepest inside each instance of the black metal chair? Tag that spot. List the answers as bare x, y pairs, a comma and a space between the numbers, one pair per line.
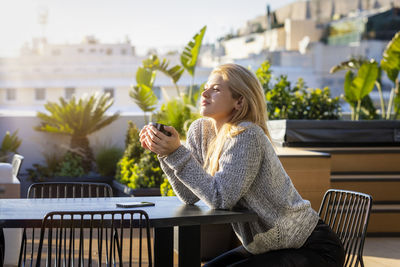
57, 190
102, 238
347, 213
69, 190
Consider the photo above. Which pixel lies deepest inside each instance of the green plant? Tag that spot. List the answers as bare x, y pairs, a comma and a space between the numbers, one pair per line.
285, 101
142, 174
166, 189
178, 112
10, 144
138, 168
390, 63
78, 118
107, 159
357, 87
70, 166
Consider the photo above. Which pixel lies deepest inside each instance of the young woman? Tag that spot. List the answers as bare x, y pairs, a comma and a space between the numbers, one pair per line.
229, 162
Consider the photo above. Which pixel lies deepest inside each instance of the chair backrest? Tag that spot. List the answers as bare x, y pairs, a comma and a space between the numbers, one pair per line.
98, 238
16, 164
69, 190
56, 190
347, 213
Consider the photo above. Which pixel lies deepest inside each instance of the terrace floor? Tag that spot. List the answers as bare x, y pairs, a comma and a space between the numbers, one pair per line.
382, 252
378, 252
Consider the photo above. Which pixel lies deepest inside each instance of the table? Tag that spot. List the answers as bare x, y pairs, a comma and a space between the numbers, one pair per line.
167, 213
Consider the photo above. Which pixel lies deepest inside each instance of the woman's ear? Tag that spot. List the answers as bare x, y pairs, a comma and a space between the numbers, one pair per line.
239, 103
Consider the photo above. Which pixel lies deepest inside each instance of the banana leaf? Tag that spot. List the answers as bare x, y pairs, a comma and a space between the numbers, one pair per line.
144, 97
364, 82
391, 58
154, 63
191, 52
352, 64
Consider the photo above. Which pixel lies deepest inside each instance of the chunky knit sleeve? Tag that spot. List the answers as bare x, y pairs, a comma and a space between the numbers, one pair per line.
193, 144
238, 166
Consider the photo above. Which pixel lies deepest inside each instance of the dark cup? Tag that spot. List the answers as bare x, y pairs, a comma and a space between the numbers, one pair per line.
160, 127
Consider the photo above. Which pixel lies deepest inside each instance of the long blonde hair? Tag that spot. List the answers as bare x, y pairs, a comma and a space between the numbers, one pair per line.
242, 83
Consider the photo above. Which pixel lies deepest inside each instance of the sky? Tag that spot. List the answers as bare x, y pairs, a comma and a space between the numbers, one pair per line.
147, 23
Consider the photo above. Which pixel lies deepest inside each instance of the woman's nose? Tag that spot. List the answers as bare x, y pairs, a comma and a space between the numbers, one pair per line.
204, 93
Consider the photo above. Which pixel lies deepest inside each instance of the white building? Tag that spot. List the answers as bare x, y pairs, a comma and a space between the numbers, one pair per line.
45, 72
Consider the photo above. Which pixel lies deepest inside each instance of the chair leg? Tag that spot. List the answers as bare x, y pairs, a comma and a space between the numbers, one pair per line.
2, 247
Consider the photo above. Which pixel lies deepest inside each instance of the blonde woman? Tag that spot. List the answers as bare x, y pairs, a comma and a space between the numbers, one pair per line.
228, 162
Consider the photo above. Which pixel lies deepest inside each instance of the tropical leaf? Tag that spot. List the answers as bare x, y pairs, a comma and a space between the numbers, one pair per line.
78, 118
348, 93
391, 58
191, 51
352, 64
154, 63
364, 82
144, 97
10, 142
145, 76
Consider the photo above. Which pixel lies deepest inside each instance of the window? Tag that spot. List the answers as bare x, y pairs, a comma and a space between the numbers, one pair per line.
109, 51
110, 91
123, 51
69, 92
40, 94
11, 94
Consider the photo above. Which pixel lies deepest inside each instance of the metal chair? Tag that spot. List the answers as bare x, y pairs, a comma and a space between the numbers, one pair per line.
89, 238
16, 164
347, 213
57, 190
69, 190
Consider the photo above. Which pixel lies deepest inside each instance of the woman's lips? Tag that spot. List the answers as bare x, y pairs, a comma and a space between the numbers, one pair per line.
204, 103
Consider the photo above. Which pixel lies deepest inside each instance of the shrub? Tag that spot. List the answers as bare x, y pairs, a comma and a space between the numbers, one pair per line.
166, 189
71, 165
107, 159
145, 173
138, 168
9, 145
285, 101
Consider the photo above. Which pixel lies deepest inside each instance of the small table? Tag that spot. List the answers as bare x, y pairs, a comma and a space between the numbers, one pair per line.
167, 213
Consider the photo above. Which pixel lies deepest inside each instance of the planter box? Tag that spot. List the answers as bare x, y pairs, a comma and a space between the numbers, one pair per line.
332, 133
122, 190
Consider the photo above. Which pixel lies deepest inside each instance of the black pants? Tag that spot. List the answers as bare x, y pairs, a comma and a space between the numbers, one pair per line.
322, 248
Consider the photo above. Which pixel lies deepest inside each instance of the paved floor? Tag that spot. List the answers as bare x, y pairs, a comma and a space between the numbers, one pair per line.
378, 252
382, 252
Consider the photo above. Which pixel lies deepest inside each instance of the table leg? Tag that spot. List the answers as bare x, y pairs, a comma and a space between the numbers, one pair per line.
164, 247
189, 246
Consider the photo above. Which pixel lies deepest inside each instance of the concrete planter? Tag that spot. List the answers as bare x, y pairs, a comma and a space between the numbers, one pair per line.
122, 190
331, 133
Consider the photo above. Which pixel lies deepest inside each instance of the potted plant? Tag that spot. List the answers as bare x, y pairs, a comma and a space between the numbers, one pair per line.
9, 146
380, 128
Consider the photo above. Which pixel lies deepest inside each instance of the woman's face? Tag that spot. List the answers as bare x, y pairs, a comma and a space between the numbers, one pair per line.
217, 101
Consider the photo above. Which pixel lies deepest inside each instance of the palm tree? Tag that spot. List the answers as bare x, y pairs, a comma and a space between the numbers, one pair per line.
78, 118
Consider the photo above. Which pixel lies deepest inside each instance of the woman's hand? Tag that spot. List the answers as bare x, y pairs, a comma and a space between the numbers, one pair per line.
157, 142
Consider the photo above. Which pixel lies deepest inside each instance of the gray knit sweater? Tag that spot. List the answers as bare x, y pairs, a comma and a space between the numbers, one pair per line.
250, 176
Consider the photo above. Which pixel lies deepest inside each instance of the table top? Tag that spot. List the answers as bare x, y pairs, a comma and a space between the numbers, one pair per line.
167, 212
